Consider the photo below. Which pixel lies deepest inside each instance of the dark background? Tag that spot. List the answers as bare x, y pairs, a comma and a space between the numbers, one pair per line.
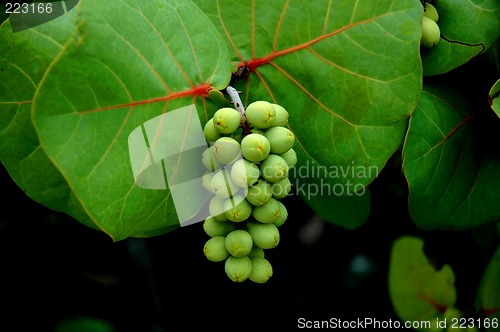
54, 268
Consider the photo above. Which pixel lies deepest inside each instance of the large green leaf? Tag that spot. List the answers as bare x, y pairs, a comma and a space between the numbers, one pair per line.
468, 27
348, 72
488, 295
24, 58
131, 63
450, 162
417, 290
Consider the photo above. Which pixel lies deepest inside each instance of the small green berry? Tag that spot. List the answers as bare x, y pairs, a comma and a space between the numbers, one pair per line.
281, 116
215, 249
255, 147
226, 150
226, 120
239, 243
431, 12
261, 114
280, 138
282, 188
274, 168
261, 270
265, 236
211, 134
430, 33
260, 193
237, 208
268, 212
238, 269
217, 228
244, 173
222, 185
290, 157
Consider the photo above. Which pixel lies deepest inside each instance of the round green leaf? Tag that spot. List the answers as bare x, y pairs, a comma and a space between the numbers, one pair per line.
132, 62
417, 290
451, 171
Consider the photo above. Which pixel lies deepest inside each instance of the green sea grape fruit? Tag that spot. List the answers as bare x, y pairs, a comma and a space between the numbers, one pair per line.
274, 168
237, 208
238, 269
261, 270
215, 228
430, 33
283, 215
281, 116
209, 161
290, 157
256, 252
280, 138
255, 147
222, 185
244, 173
226, 150
260, 193
239, 243
211, 134
226, 120
268, 212
206, 180
261, 114
216, 209
431, 12
265, 236
215, 249
282, 188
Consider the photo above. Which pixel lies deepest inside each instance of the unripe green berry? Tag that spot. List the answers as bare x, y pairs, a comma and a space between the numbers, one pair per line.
261, 270
209, 161
255, 147
265, 236
206, 180
430, 33
215, 228
237, 208
261, 114
256, 252
244, 173
283, 215
222, 185
260, 193
281, 116
216, 209
431, 12
226, 150
290, 157
211, 134
274, 168
215, 249
239, 243
280, 138
226, 120
282, 188
238, 269
268, 212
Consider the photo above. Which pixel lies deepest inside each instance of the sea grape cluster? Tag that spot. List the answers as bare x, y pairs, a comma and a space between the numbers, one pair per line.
248, 159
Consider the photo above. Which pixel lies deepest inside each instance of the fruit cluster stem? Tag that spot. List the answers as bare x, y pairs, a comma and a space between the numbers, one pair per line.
236, 100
